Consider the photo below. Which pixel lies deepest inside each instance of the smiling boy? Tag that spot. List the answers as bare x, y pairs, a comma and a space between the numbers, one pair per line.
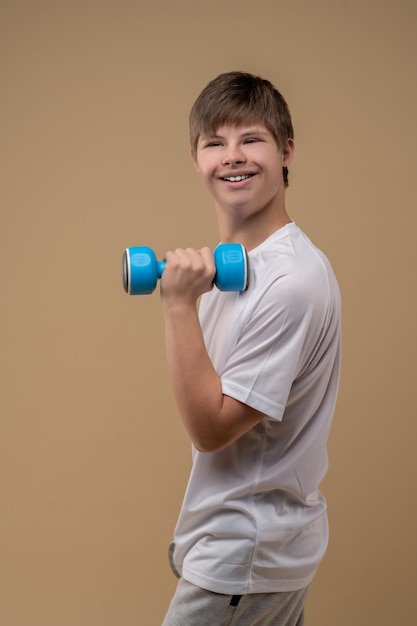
255, 375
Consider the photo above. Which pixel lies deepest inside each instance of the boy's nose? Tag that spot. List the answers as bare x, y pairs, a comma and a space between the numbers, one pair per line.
233, 155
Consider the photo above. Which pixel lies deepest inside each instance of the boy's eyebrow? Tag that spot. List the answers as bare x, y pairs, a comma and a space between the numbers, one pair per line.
255, 131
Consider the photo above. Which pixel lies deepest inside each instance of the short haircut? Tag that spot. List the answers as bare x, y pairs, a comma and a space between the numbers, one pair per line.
238, 98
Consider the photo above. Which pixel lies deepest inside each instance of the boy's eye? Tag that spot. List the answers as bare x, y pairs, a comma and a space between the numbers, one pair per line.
251, 140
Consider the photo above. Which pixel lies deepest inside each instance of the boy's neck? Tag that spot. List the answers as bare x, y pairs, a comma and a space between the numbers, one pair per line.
250, 232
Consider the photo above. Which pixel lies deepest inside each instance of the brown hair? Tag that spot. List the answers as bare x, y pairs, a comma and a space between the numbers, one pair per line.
236, 98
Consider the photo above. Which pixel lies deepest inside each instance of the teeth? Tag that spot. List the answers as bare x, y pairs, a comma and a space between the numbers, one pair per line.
236, 179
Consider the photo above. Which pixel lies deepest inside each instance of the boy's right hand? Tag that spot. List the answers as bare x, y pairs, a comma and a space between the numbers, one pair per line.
188, 274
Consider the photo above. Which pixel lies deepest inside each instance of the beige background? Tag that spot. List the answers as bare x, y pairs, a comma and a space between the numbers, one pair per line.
95, 97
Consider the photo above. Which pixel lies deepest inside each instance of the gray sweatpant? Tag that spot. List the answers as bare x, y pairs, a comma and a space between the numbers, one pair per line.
192, 606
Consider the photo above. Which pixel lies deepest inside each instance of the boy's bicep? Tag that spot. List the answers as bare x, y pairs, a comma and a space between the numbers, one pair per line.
238, 418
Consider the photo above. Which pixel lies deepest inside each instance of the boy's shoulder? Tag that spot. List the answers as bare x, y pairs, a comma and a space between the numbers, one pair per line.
288, 265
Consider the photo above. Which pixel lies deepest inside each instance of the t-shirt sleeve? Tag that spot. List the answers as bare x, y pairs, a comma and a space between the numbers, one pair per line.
272, 346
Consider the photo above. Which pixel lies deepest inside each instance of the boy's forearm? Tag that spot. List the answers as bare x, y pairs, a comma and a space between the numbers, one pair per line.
196, 385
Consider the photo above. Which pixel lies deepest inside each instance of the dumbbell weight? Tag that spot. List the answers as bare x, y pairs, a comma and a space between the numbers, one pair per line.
141, 270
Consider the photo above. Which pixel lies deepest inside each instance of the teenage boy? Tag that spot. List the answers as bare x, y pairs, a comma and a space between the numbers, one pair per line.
254, 374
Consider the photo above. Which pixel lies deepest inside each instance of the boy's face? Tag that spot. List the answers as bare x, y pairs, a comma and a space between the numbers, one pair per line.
241, 167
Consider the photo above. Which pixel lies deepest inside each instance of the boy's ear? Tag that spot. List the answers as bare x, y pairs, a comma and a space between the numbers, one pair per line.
194, 158
288, 153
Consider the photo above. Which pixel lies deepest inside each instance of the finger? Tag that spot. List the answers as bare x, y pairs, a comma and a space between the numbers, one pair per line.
207, 255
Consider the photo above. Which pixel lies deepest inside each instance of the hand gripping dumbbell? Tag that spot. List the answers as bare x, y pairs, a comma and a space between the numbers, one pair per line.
141, 270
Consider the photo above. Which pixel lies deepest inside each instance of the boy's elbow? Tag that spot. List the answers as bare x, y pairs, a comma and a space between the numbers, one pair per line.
217, 431
206, 448
207, 444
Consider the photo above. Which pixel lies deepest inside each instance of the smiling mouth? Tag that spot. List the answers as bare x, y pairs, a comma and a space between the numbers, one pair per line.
237, 179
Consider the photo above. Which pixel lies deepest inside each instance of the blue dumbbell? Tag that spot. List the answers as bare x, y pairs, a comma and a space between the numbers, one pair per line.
141, 270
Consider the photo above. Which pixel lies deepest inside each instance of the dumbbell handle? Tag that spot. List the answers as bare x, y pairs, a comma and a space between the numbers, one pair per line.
160, 266
141, 269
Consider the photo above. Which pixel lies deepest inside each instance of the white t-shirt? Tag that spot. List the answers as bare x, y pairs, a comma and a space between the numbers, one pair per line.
253, 519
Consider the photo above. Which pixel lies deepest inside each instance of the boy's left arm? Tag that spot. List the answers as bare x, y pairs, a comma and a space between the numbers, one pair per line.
212, 419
